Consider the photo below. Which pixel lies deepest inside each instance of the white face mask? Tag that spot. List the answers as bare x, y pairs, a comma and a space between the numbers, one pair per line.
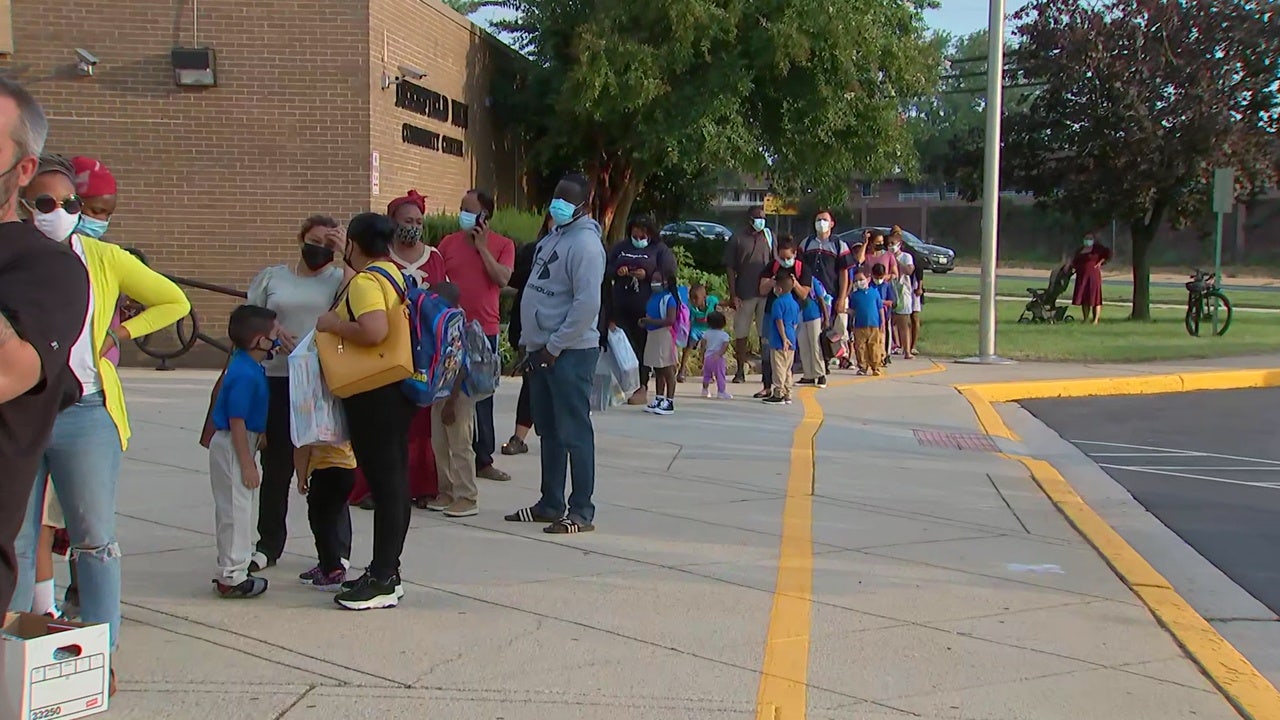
822, 226
57, 225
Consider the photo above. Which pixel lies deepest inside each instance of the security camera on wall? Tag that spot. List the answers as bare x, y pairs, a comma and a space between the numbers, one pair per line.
410, 72
85, 61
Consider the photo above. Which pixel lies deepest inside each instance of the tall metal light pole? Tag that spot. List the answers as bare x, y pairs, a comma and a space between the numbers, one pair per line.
991, 187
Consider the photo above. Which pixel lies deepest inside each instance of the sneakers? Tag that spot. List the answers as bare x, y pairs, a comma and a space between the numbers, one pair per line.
251, 587
439, 503
822, 382
739, 378
321, 580
724, 396
653, 405
666, 407
460, 509
706, 392
370, 593
808, 382
260, 562
775, 400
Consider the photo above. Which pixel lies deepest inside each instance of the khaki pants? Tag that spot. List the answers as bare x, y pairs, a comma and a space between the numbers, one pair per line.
455, 456
235, 511
809, 345
868, 346
782, 361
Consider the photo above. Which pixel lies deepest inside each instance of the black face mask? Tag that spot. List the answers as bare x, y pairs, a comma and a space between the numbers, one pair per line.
316, 256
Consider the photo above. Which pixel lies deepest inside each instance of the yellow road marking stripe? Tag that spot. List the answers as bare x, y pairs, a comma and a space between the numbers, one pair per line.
1253, 696
783, 690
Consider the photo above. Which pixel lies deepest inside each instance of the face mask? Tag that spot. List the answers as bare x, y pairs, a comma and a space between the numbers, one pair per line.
640, 242
467, 220
787, 262
757, 224
1088, 243
822, 226
271, 351
656, 287
409, 234
863, 284
895, 247
93, 227
316, 256
562, 211
57, 225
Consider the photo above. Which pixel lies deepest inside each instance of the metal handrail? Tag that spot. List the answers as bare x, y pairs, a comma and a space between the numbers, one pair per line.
187, 341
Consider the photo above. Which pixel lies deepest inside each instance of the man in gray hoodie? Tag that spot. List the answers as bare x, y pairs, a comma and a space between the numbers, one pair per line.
559, 317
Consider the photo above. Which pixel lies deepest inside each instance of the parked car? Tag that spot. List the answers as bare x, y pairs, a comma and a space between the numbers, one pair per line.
930, 257
694, 230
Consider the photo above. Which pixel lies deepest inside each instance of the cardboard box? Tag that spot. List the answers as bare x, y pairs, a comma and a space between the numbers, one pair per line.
52, 668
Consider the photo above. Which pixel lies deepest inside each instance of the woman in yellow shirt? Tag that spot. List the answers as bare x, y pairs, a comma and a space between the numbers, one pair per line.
89, 438
378, 419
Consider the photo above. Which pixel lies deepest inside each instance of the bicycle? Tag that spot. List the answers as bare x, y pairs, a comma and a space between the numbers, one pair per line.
1205, 303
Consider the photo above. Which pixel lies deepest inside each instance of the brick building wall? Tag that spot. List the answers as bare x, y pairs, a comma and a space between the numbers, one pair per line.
215, 182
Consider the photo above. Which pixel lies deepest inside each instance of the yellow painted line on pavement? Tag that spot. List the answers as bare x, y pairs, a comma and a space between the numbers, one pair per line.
783, 691
1252, 695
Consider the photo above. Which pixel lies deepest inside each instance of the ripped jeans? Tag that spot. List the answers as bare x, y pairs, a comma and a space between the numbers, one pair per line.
83, 462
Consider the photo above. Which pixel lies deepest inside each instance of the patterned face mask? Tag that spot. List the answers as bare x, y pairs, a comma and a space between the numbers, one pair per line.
409, 234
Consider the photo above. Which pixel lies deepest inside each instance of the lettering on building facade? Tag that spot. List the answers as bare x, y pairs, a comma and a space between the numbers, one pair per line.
434, 106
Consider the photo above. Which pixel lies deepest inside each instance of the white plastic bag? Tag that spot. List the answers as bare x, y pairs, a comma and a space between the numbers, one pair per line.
623, 362
605, 391
315, 415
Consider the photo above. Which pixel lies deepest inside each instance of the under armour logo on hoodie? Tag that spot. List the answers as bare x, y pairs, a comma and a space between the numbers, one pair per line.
545, 273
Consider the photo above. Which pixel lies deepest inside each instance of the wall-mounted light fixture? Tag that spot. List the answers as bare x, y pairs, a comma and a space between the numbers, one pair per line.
85, 62
407, 72
194, 67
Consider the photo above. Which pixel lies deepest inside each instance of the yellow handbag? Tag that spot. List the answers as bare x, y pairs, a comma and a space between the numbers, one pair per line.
350, 369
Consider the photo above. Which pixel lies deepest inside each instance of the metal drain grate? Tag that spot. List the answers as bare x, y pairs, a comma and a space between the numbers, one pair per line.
955, 441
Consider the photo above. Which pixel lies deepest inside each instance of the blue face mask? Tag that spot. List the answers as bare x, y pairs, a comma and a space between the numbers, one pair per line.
93, 227
640, 242
467, 220
562, 211
757, 224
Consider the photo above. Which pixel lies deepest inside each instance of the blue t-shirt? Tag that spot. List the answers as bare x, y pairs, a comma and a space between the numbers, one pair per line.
886, 291
818, 298
243, 394
786, 309
659, 303
865, 306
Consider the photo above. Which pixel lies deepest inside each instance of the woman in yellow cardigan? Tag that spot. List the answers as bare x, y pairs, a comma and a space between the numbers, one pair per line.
89, 438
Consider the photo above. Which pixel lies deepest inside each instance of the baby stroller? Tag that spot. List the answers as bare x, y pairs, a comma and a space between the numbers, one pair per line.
1044, 307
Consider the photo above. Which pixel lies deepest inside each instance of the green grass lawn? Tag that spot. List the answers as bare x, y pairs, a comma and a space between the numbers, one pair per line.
1111, 292
950, 330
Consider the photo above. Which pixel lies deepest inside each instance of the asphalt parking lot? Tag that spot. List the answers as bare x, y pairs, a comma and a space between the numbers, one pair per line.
1207, 464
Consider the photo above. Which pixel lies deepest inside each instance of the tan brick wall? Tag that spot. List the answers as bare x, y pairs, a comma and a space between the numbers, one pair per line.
458, 58
215, 182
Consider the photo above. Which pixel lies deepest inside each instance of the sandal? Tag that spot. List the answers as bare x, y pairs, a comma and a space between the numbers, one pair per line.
763, 394
515, 446
566, 526
422, 503
533, 514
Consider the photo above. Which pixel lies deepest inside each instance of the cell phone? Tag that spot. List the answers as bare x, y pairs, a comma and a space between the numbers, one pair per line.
482, 218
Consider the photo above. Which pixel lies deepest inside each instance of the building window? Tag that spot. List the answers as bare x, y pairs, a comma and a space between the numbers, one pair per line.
869, 190
756, 197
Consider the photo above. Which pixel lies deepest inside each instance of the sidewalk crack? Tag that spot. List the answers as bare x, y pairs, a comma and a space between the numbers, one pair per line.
1006, 504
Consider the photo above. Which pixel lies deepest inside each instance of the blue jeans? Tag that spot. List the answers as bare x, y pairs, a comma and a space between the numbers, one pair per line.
561, 400
83, 461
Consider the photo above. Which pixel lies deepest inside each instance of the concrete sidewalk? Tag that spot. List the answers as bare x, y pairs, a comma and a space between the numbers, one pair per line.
944, 584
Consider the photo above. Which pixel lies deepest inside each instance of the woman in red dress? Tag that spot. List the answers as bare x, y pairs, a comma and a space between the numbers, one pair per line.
426, 266
1088, 266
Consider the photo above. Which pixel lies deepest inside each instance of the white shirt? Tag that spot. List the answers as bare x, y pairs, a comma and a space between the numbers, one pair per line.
715, 340
83, 360
414, 269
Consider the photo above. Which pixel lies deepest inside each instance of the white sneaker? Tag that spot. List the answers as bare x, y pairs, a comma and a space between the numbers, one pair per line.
706, 392
668, 407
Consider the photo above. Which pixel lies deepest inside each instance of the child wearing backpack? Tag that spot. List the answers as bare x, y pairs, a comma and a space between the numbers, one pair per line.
452, 425
661, 351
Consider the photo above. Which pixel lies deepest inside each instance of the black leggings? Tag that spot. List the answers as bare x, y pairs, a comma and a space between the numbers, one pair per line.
330, 515
379, 424
630, 324
277, 472
524, 409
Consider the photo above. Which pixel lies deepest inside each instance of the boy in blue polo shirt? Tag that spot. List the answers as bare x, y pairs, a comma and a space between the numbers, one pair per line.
815, 315
866, 304
239, 419
880, 281
784, 320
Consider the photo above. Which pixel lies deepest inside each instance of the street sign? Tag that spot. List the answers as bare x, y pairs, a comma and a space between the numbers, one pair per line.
1224, 191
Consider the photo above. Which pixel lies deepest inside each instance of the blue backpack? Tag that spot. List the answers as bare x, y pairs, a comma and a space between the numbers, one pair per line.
436, 340
484, 366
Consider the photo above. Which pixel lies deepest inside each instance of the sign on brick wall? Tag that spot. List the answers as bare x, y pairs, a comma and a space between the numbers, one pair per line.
433, 106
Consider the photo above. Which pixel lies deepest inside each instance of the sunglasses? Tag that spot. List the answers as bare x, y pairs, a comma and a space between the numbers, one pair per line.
46, 204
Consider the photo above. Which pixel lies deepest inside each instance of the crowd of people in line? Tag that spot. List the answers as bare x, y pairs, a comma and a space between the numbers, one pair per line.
64, 428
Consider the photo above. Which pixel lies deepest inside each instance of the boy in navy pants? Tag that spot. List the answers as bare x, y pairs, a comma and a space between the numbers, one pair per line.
239, 419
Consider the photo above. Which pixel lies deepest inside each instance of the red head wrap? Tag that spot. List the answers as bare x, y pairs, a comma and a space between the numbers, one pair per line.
93, 179
410, 198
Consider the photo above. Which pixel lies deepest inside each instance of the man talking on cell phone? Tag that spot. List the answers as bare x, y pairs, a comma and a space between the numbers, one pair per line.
44, 298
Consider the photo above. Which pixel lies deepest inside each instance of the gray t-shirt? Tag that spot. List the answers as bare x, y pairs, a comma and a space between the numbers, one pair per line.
297, 300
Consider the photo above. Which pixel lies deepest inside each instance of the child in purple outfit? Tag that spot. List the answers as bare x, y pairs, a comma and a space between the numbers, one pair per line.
715, 344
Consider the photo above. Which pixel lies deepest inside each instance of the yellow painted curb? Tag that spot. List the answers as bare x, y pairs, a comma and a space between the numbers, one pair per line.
783, 689
1252, 695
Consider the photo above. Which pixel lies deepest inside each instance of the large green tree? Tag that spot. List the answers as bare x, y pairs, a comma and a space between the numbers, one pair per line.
807, 92
1140, 101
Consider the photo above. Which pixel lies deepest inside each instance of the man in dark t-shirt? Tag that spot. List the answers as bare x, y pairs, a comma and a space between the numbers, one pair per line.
44, 297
